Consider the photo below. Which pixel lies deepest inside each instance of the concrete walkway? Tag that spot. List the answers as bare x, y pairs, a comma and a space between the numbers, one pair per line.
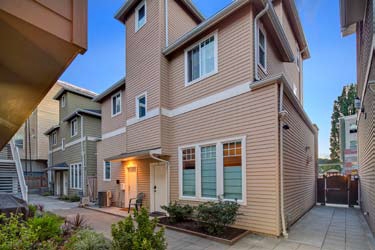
325, 228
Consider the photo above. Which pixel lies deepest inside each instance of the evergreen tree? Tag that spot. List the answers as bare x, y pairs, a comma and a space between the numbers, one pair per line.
343, 106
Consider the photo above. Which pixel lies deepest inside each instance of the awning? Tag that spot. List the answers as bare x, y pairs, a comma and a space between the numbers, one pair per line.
60, 166
137, 155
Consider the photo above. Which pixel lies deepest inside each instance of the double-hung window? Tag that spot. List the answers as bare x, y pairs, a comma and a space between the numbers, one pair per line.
73, 128
213, 169
201, 60
63, 144
140, 15
75, 171
116, 104
107, 171
63, 101
141, 106
262, 49
54, 138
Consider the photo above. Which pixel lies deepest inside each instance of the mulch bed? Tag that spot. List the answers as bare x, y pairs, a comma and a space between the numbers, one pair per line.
229, 236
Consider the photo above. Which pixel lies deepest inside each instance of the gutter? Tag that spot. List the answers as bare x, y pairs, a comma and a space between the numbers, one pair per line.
82, 156
256, 38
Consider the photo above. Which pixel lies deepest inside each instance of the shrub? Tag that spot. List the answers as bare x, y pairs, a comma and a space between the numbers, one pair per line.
46, 194
178, 213
127, 236
215, 216
87, 240
74, 198
78, 222
46, 227
32, 210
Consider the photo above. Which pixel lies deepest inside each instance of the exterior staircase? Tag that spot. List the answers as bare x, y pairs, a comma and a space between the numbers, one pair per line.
12, 180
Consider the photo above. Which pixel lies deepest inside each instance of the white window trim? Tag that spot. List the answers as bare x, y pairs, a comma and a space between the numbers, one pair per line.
136, 15
137, 106
219, 169
216, 59
298, 59
62, 144
72, 176
75, 131
113, 115
54, 142
110, 171
261, 29
63, 101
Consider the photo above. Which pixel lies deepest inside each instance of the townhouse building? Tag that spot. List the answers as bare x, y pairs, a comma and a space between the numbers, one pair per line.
211, 107
72, 143
357, 17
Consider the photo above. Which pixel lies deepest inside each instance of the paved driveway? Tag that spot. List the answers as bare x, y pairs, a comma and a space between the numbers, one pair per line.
325, 228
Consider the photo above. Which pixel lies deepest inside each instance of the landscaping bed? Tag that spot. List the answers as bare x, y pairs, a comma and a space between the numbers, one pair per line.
230, 235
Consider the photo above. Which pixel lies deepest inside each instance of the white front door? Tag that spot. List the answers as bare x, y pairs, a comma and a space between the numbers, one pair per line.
58, 183
131, 184
66, 182
158, 181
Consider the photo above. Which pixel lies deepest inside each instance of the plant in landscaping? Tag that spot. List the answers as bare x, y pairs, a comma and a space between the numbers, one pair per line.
46, 227
74, 198
78, 222
87, 240
32, 210
178, 213
143, 237
215, 216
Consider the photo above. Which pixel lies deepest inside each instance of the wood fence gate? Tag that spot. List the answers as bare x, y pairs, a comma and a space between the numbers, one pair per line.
341, 190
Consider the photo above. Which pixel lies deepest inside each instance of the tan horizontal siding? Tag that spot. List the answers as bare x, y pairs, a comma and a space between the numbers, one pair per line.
239, 116
143, 135
110, 123
299, 165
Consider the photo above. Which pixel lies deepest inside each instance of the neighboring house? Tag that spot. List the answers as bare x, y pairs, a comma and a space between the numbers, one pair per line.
211, 108
358, 17
33, 144
72, 143
39, 40
348, 144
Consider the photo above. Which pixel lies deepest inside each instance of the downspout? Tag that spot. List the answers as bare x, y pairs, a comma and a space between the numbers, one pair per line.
166, 23
256, 33
82, 156
282, 114
168, 164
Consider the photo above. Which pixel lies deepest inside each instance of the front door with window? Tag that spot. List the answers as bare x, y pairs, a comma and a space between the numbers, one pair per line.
131, 186
158, 181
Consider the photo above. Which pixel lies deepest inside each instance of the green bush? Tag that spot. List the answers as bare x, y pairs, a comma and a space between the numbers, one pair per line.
143, 237
178, 213
74, 198
87, 240
32, 210
215, 216
47, 227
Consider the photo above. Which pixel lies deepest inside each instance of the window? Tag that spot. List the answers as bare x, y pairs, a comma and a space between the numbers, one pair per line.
141, 106
63, 101
140, 15
54, 138
353, 145
75, 171
116, 104
188, 165
63, 143
107, 171
353, 128
232, 162
208, 171
213, 169
201, 60
262, 43
19, 140
73, 128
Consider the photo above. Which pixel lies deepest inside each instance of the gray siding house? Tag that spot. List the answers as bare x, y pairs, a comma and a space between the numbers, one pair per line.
72, 143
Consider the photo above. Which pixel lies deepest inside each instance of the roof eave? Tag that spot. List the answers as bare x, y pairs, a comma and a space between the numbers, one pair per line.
50, 130
119, 84
80, 111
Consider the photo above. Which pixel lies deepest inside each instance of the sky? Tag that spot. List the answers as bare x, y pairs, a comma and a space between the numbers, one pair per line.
331, 66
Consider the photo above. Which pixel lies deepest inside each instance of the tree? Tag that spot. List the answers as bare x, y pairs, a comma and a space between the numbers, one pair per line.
343, 106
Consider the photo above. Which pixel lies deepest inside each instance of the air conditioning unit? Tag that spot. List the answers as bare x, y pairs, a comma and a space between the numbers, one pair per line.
109, 198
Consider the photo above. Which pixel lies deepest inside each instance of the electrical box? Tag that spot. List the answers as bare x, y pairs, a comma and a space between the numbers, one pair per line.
122, 186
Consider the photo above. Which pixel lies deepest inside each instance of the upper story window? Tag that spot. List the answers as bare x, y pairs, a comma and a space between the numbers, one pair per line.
116, 104
140, 15
63, 144
73, 127
201, 60
54, 138
107, 171
262, 44
63, 101
141, 106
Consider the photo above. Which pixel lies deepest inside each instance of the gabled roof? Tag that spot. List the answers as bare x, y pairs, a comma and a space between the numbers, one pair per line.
92, 112
50, 130
119, 84
67, 87
130, 4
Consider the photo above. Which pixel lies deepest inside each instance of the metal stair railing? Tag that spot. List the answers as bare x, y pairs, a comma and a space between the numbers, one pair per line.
21, 177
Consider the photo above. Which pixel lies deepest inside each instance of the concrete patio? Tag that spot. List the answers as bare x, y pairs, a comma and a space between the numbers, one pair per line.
327, 228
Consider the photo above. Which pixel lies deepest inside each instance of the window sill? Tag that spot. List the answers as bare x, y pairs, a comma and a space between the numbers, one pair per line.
139, 28
107, 180
264, 70
187, 84
202, 199
76, 188
113, 116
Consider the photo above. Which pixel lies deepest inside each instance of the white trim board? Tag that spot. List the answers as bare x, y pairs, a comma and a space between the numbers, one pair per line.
149, 114
114, 133
72, 143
